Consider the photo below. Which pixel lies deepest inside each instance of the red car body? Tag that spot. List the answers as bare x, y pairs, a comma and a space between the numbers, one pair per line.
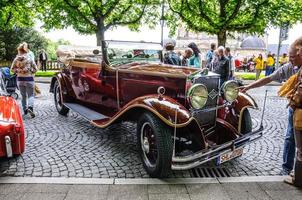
12, 140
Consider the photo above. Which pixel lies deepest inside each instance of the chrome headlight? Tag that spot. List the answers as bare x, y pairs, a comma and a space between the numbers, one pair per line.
230, 90
198, 96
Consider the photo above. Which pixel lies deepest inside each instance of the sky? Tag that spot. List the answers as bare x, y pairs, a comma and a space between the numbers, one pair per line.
146, 34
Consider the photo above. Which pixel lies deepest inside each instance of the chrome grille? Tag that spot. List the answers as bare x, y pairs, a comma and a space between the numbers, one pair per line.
212, 84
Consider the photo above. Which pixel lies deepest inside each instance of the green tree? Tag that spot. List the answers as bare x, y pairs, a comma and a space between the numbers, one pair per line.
53, 46
221, 17
16, 13
10, 39
97, 16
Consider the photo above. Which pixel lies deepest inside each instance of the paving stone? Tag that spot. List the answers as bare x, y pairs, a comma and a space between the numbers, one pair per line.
43, 196
72, 147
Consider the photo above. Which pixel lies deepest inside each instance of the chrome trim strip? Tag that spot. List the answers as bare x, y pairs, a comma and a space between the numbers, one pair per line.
8, 146
181, 166
117, 90
200, 154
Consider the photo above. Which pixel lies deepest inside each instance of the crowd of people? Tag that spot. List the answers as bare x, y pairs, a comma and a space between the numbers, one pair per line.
221, 61
292, 89
217, 60
269, 65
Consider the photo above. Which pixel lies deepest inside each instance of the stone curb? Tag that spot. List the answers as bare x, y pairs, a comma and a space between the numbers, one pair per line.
139, 181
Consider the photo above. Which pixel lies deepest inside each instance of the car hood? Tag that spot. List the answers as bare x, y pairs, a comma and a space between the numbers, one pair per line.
8, 109
160, 68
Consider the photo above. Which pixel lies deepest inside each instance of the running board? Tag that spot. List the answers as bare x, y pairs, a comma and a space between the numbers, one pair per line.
85, 112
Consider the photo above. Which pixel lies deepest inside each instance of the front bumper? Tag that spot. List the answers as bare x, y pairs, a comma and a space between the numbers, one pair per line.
198, 158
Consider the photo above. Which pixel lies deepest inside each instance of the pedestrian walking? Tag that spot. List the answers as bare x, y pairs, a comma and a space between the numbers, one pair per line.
171, 57
195, 60
186, 56
231, 62
25, 68
270, 62
259, 65
295, 99
283, 60
31, 54
210, 55
221, 65
43, 59
281, 74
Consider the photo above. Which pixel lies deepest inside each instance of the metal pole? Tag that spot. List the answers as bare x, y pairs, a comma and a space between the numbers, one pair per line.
279, 46
162, 21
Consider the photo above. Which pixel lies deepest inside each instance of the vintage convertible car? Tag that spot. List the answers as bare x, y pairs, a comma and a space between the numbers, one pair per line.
12, 140
184, 118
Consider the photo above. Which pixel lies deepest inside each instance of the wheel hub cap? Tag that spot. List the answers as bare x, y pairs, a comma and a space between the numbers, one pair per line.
146, 146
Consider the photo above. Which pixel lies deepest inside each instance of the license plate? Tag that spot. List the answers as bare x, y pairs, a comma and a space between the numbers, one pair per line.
230, 155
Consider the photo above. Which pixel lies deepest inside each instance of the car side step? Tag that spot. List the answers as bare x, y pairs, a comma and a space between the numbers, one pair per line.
85, 112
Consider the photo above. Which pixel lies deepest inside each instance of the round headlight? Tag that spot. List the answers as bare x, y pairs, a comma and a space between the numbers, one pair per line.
230, 90
198, 96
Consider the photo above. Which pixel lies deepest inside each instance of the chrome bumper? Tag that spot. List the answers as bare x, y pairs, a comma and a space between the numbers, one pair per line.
198, 158
8, 146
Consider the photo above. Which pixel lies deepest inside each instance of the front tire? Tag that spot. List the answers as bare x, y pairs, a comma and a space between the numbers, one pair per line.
62, 110
246, 123
155, 145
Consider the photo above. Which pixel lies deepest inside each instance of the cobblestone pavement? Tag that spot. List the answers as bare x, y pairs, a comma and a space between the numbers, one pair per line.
58, 146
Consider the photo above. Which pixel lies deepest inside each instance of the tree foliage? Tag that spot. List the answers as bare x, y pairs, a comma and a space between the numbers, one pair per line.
226, 16
52, 47
97, 16
16, 13
10, 39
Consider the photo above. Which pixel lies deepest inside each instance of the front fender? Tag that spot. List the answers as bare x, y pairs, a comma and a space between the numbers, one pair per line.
167, 109
244, 101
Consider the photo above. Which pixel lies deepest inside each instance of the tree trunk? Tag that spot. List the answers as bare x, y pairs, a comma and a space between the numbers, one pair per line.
221, 36
100, 35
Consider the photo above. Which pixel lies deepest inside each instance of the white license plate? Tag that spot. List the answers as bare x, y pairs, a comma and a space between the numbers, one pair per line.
230, 155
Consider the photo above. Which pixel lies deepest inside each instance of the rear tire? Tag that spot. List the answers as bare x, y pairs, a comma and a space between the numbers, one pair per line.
246, 123
62, 110
155, 145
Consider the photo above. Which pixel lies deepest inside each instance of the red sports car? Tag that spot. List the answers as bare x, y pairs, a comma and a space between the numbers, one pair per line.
12, 140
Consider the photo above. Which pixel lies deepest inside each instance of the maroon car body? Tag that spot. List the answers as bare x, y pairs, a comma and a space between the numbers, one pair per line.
172, 134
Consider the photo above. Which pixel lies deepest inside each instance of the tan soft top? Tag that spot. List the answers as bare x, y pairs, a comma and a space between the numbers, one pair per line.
65, 53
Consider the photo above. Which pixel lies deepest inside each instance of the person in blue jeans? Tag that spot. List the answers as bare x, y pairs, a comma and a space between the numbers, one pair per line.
25, 68
281, 74
289, 145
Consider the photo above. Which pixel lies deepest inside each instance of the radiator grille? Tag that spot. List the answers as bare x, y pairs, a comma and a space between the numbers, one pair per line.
209, 172
212, 84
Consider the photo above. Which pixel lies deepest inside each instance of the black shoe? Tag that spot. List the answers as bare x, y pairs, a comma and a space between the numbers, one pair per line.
31, 112
25, 112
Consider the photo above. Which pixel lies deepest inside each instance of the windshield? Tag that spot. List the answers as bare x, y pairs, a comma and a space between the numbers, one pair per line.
124, 56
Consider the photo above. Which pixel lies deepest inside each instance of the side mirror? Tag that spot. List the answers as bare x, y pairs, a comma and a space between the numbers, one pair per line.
96, 52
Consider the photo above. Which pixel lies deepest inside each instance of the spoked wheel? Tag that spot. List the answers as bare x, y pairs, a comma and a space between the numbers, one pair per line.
155, 145
63, 110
